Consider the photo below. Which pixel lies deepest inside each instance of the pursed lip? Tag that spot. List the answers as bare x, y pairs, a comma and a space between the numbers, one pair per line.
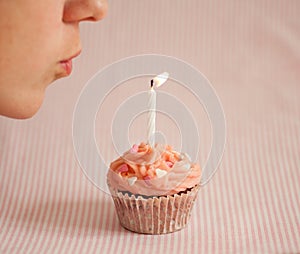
67, 63
75, 55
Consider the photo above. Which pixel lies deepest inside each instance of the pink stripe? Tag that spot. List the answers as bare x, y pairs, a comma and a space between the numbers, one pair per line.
240, 197
261, 184
213, 226
102, 225
11, 211
21, 220
12, 206
283, 176
6, 182
295, 186
235, 191
62, 164
49, 209
215, 243
97, 220
272, 178
205, 225
229, 230
35, 197
86, 216
115, 228
255, 186
195, 229
111, 227
66, 206
262, 165
88, 225
5, 176
269, 179
71, 224
250, 220
55, 209
284, 239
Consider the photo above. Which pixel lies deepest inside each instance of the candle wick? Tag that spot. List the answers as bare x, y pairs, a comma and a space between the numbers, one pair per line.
152, 83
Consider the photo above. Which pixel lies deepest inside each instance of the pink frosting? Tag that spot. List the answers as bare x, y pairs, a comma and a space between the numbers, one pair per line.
153, 171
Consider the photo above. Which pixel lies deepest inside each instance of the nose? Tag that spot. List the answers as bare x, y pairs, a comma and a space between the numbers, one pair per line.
84, 10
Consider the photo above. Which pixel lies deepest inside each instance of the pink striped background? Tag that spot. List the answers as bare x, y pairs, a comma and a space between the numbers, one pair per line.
250, 51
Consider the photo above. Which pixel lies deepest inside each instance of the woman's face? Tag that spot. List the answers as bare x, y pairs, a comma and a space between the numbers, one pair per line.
38, 39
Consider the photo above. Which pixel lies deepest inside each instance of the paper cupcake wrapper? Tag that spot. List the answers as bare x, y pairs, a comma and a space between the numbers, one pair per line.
155, 215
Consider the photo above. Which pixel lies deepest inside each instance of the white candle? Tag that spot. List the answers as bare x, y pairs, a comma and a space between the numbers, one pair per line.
156, 82
151, 115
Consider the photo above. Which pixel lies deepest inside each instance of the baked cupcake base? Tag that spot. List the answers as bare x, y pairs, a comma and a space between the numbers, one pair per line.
154, 215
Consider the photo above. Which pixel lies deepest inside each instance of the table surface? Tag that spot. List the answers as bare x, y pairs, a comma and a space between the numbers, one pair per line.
250, 52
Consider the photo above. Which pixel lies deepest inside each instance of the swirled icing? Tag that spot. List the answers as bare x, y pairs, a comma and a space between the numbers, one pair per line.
153, 171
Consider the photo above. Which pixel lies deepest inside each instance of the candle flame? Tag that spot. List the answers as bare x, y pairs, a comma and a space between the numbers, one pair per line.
160, 79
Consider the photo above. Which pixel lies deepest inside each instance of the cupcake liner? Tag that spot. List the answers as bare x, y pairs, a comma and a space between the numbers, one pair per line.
154, 215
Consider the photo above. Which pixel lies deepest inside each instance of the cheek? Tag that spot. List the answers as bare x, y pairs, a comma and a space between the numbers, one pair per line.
31, 43
43, 48
29, 53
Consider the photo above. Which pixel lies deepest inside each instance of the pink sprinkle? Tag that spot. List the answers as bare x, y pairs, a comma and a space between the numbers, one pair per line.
123, 168
169, 163
147, 180
134, 148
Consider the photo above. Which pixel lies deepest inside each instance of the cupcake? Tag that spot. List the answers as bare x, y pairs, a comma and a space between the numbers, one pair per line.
153, 188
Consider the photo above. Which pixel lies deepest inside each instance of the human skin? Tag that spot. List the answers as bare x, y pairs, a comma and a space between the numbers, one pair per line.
38, 40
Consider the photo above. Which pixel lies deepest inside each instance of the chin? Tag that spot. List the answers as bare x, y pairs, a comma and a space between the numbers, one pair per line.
22, 108
24, 113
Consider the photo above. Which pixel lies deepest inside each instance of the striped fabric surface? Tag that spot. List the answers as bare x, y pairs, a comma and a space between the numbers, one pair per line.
250, 51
